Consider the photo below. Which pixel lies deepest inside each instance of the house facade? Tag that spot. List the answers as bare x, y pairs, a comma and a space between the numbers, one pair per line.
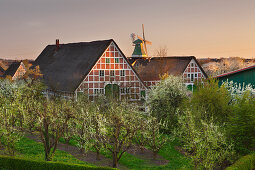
94, 68
113, 71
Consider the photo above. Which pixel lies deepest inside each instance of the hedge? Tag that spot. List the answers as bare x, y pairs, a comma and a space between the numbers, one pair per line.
22, 164
244, 163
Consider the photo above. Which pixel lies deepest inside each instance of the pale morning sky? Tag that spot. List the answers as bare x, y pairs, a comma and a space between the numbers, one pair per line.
203, 28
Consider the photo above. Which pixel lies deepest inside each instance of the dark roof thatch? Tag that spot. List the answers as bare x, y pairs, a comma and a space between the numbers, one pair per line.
1, 71
65, 69
12, 69
150, 70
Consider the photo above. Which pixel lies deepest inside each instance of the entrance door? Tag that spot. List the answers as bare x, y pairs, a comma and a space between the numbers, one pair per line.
112, 91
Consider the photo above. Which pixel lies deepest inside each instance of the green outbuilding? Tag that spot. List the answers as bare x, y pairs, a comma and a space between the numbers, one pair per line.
242, 76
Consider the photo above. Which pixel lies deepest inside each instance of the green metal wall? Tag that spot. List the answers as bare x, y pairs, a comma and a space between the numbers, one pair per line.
247, 77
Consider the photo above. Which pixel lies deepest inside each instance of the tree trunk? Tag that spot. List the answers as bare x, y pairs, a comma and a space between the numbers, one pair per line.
142, 149
45, 135
97, 156
154, 155
82, 150
47, 154
67, 140
114, 159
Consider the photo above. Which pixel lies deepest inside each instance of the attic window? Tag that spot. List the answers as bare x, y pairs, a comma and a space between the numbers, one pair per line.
192, 64
101, 73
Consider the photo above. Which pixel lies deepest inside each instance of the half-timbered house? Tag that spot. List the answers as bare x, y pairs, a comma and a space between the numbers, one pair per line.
150, 69
93, 68
15, 71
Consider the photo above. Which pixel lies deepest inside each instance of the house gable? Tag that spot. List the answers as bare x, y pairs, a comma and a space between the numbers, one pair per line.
112, 68
186, 66
193, 73
21, 70
64, 68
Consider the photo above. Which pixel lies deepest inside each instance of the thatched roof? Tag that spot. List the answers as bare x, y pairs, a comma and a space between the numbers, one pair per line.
12, 69
150, 70
1, 71
64, 69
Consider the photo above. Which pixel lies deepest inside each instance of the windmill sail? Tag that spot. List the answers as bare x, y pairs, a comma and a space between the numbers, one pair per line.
140, 46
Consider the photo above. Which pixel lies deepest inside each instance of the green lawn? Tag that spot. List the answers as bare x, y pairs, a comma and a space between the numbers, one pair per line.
30, 149
27, 148
176, 159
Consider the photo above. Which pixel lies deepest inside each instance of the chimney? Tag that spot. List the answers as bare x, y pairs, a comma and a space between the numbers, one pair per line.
57, 44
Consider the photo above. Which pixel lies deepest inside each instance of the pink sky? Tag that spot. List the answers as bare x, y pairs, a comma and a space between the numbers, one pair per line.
203, 28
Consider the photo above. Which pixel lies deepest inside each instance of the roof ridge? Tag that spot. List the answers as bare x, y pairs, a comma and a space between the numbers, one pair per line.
236, 71
83, 42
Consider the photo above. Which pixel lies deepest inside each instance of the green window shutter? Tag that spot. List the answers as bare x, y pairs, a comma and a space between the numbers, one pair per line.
143, 94
107, 60
116, 60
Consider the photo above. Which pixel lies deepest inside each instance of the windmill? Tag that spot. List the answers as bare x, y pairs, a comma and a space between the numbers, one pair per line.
140, 45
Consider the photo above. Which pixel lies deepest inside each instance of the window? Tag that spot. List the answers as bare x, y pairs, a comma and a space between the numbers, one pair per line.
116, 60
96, 91
192, 77
101, 73
122, 73
107, 60
192, 64
196, 75
188, 75
112, 73
122, 90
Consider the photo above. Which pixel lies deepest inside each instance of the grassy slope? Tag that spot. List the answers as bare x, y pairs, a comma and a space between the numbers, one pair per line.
176, 160
30, 149
33, 150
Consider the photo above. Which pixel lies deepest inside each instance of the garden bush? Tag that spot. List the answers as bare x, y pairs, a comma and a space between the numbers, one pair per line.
205, 142
21, 164
241, 123
165, 100
210, 101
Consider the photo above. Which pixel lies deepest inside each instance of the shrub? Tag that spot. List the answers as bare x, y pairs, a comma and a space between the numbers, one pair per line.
241, 124
165, 99
20, 164
206, 142
210, 101
122, 123
156, 140
11, 116
244, 163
